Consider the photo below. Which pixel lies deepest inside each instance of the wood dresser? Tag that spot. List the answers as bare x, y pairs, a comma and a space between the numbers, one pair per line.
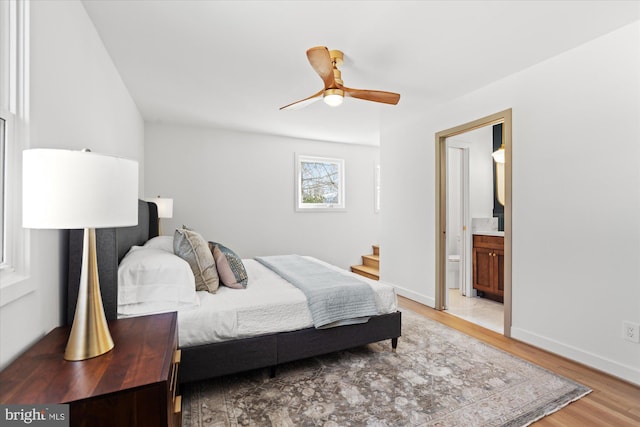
135, 384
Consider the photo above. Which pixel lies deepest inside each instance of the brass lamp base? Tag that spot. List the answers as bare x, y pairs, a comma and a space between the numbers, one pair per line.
90, 335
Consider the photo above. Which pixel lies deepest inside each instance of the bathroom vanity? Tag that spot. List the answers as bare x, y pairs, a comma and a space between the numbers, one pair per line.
488, 264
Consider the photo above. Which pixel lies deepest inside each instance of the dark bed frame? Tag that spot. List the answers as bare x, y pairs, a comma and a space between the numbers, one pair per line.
212, 360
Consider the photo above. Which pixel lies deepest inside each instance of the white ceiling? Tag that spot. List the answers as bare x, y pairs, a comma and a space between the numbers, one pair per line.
232, 64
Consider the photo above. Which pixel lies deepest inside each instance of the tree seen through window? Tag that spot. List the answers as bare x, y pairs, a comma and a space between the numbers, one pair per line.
320, 182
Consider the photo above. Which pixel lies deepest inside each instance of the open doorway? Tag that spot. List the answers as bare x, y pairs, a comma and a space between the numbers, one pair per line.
473, 210
450, 156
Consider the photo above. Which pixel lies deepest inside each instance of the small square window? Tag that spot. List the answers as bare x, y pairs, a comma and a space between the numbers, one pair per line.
319, 184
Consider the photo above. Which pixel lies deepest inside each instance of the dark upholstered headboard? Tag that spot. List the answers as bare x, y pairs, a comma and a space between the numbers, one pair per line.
112, 245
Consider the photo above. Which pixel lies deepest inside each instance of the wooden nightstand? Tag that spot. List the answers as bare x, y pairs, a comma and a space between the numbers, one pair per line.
134, 384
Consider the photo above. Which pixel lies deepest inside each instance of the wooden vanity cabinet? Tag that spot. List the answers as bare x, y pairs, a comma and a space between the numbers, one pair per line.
488, 266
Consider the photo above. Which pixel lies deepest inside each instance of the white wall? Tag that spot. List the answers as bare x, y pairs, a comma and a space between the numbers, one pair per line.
238, 189
576, 147
77, 100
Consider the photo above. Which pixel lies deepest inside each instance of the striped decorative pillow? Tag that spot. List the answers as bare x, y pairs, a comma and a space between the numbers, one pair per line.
193, 248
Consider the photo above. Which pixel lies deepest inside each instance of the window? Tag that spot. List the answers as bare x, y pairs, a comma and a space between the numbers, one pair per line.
14, 54
319, 184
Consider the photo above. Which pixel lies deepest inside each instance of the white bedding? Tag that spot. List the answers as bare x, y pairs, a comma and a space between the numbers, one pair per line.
269, 304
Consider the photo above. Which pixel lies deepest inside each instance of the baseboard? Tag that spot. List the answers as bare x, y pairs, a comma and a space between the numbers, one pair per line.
428, 301
627, 373
611, 367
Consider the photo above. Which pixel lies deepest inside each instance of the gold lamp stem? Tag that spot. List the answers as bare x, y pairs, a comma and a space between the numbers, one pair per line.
90, 335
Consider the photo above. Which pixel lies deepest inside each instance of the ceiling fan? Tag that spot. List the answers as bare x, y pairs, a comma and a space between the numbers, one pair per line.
326, 63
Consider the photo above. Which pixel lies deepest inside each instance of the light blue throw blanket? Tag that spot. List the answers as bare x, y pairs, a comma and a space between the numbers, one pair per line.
334, 298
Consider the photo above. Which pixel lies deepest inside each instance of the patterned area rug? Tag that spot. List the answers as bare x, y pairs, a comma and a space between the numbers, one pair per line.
438, 377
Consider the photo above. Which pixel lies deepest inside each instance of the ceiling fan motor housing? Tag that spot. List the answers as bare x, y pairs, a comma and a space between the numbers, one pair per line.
337, 57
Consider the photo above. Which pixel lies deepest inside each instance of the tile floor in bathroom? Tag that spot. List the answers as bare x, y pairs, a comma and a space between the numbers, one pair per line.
481, 311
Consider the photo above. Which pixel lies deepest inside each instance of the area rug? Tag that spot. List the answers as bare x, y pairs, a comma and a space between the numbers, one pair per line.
437, 377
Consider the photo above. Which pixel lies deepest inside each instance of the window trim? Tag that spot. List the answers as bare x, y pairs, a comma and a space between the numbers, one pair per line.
376, 187
14, 108
319, 207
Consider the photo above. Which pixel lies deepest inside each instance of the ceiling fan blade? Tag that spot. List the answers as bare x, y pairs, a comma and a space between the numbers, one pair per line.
303, 102
320, 60
373, 95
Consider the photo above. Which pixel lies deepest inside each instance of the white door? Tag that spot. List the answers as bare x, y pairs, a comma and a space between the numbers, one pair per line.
457, 218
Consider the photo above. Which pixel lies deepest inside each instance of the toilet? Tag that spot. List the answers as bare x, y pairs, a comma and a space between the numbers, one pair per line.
453, 272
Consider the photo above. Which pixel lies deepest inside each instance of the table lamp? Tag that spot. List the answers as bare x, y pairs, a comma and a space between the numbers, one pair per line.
64, 189
165, 209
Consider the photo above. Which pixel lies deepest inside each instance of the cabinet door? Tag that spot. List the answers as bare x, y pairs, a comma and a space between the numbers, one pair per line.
482, 269
497, 273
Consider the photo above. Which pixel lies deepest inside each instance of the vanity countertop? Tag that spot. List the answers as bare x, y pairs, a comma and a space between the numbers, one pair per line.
489, 233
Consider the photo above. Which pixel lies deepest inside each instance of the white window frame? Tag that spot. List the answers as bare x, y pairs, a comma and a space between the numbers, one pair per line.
300, 206
14, 97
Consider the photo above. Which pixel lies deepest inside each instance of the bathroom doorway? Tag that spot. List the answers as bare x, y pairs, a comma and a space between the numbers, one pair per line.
454, 231
470, 187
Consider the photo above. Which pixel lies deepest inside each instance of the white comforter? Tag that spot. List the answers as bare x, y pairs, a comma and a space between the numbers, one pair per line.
269, 304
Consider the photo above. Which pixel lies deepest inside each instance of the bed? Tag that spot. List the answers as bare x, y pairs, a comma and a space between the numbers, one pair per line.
202, 359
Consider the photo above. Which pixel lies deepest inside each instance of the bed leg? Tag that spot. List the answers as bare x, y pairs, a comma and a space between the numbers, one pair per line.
272, 372
394, 344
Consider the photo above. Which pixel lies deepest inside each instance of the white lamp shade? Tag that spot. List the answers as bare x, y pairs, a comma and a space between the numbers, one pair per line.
64, 189
165, 206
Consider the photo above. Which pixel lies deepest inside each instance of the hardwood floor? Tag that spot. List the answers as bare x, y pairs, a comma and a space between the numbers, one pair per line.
613, 402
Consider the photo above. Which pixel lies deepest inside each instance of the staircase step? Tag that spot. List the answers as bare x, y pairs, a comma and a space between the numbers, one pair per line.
371, 261
366, 271
376, 249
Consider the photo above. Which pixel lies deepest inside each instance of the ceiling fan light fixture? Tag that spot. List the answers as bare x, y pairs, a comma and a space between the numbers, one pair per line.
333, 97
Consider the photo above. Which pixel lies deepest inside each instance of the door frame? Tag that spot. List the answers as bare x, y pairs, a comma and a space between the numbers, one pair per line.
504, 117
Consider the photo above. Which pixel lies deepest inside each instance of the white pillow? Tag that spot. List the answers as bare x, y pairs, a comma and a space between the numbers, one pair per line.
153, 280
160, 242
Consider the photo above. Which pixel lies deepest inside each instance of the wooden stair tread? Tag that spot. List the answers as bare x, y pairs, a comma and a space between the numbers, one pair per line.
372, 261
370, 266
366, 271
370, 270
